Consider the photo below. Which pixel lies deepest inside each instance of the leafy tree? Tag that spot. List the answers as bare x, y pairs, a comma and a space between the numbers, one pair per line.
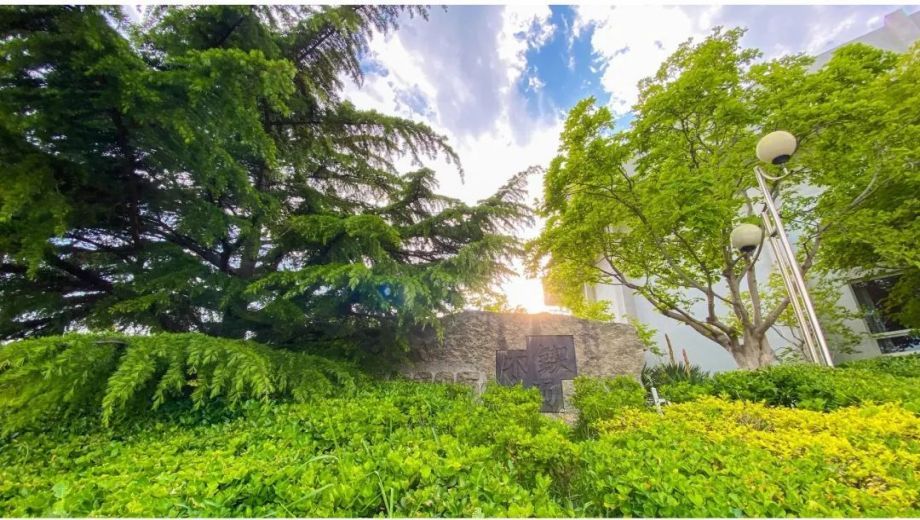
867, 148
652, 207
203, 173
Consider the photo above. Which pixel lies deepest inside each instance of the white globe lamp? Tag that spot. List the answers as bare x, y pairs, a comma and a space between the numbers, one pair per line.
776, 147
746, 237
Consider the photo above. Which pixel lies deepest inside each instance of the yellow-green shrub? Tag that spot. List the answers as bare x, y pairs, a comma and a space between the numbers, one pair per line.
411, 449
719, 458
599, 398
393, 448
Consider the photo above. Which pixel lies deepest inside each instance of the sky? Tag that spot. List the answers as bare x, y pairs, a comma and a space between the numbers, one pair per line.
498, 80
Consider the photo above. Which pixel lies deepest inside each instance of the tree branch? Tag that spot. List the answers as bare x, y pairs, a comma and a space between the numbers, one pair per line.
668, 310
79, 273
170, 235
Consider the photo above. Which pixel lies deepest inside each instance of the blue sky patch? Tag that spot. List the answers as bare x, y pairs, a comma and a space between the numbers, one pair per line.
563, 69
370, 65
415, 100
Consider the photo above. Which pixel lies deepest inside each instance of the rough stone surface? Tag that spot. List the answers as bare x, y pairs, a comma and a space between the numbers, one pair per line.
471, 338
421, 375
444, 377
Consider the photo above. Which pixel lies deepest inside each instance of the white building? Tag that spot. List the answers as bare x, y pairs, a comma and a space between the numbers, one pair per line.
879, 335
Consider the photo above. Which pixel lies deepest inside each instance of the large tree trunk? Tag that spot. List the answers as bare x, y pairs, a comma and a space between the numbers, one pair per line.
754, 352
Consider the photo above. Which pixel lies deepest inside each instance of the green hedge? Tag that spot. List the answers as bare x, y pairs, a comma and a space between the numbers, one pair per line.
903, 365
393, 448
603, 398
880, 380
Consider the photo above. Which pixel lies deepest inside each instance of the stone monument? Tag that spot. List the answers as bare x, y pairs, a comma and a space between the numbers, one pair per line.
543, 350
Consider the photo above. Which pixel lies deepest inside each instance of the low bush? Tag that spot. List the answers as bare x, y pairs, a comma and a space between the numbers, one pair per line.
400, 448
806, 386
602, 398
48, 379
683, 391
713, 458
904, 366
393, 448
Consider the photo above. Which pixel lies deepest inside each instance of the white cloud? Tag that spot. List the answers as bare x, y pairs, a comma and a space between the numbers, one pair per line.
873, 22
785, 29
463, 72
825, 35
534, 83
523, 27
510, 139
633, 40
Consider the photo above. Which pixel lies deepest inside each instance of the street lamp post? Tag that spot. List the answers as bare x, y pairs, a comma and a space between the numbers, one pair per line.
777, 148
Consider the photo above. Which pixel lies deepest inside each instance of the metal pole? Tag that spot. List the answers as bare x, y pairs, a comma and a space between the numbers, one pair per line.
798, 279
794, 297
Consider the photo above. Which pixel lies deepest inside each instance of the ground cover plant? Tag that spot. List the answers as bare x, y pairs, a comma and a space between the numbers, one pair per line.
371, 447
712, 457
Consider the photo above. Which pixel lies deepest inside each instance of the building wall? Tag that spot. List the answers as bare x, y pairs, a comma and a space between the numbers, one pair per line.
898, 32
867, 347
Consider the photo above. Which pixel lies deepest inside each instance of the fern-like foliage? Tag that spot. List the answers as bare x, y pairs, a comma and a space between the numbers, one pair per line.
668, 373
49, 379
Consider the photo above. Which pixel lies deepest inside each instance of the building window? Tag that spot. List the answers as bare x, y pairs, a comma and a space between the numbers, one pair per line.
892, 336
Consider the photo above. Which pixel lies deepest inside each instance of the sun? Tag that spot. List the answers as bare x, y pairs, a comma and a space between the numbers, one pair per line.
526, 293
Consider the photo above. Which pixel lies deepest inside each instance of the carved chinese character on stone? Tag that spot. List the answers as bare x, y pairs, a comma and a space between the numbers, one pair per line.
553, 357
511, 366
547, 361
552, 395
